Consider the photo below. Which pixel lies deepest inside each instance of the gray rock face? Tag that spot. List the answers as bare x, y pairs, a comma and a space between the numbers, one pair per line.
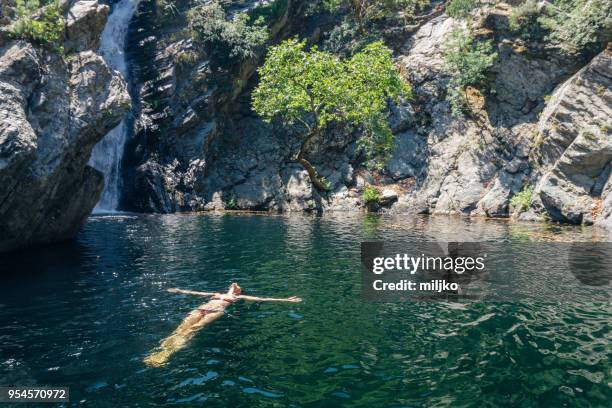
216, 154
466, 165
52, 112
85, 21
576, 145
6, 11
604, 218
475, 165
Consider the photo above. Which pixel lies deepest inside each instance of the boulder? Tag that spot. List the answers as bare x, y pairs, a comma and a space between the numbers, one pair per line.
576, 145
52, 113
85, 21
387, 197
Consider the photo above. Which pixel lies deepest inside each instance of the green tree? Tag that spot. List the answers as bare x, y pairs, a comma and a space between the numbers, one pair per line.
315, 89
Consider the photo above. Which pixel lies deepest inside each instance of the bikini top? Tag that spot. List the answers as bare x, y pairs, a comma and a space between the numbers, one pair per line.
227, 299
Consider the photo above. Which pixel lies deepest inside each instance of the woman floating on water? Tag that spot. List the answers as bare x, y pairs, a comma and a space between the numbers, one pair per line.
200, 317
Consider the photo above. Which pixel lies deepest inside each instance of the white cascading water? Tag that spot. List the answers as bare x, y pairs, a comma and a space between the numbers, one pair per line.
107, 154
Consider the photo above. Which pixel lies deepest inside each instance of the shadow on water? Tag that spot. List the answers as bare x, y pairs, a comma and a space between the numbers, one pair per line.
35, 271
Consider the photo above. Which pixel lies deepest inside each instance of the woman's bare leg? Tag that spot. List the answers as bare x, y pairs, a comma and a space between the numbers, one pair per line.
189, 327
180, 337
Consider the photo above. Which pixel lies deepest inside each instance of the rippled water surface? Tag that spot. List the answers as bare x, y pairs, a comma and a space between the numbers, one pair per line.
84, 315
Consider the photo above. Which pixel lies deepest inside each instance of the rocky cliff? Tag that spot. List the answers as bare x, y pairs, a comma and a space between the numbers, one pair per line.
54, 107
190, 101
545, 128
540, 131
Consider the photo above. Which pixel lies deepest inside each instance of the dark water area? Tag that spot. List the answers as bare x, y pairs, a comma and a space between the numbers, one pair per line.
85, 314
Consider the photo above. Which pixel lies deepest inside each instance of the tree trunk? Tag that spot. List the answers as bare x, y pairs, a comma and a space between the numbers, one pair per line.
312, 172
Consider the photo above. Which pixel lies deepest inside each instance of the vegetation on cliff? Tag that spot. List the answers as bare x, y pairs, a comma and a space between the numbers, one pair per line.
365, 21
315, 89
234, 39
468, 61
522, 200
365, 12
575, 26
40, 23
370, 195
460, 8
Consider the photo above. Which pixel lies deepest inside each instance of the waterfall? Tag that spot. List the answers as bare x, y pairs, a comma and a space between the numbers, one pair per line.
107, 154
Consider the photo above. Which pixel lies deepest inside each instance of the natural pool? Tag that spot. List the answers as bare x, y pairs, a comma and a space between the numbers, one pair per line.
84, 314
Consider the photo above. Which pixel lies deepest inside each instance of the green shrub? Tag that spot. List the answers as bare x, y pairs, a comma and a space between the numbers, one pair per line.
522, 201
231, 203
578, 26
233, 39
270, 12
370, 195
468, 61
345, 39
366, 21
460, 8
365, 12
524, 20
575, 26
42, 25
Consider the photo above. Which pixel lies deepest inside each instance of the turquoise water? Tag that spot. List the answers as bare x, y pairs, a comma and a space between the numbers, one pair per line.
84, 314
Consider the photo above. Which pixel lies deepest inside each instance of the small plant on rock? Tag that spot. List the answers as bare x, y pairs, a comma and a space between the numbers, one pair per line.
468, 61
370, 195
522, 201
231, 203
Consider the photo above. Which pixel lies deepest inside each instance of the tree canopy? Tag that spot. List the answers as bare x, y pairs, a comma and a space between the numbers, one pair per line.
315, 88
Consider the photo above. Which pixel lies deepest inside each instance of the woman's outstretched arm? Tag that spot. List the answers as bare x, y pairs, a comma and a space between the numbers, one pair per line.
293, 299
191, 292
